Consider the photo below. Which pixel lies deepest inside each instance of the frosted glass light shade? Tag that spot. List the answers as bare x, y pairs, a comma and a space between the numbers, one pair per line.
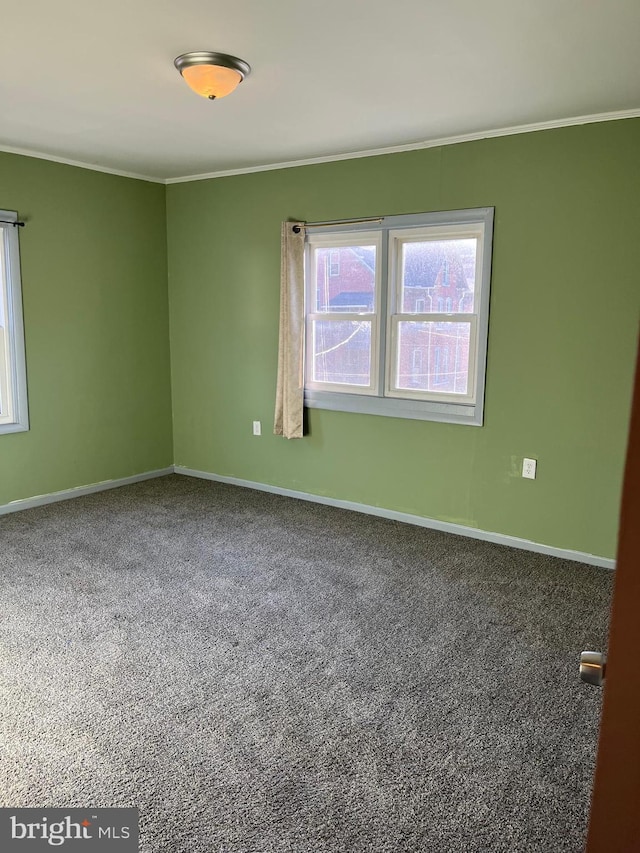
212, 75
211, 81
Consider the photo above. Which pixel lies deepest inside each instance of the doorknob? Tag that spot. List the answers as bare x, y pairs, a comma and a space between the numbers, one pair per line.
592, 667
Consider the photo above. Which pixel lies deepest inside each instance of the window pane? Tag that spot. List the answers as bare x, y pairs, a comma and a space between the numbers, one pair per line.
438, 276
433, 357
3, 286
344, 279
13, 380
341, 351
4, 338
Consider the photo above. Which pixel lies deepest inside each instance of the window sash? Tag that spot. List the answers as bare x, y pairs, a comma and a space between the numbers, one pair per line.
392, 390
13, 384
6, 362
339, 241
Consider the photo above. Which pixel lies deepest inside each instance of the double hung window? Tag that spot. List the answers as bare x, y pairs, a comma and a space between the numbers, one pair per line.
13, 384
397, 315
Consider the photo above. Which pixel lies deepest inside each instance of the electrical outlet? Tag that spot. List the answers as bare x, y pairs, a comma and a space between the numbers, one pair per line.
257, 428
529, 468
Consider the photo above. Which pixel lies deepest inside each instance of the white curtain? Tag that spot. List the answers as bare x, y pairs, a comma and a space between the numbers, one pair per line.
290, 387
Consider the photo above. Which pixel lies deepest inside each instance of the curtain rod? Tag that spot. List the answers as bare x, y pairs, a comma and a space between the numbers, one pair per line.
296, 228
9, 222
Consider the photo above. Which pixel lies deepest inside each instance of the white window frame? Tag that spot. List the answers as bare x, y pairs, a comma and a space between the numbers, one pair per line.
14, 414
382, 397
320, 241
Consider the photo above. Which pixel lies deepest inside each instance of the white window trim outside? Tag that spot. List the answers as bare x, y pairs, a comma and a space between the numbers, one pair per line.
382, 398
14, 414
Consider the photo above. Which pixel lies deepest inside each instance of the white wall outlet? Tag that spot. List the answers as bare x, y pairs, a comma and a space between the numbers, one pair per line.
257, 428
529, 468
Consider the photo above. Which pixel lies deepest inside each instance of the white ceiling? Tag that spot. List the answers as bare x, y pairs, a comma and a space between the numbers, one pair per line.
93, 82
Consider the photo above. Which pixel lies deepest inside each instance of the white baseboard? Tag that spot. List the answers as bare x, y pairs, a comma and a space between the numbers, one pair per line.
419, 520
408, 518
67, 494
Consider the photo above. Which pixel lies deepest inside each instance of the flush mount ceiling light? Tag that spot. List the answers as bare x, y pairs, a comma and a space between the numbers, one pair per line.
212, 75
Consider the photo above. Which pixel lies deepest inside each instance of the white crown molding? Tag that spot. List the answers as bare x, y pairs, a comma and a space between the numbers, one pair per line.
331, 158
408, 518
92, 167
417, 146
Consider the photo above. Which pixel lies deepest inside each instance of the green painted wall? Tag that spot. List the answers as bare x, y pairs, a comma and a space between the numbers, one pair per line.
94, 280
563, 327
564, 313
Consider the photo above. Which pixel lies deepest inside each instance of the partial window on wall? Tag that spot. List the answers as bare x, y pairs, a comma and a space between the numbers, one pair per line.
13, 379
397, 315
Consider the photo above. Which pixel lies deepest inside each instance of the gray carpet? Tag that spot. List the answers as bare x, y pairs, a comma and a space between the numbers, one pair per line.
264, 675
